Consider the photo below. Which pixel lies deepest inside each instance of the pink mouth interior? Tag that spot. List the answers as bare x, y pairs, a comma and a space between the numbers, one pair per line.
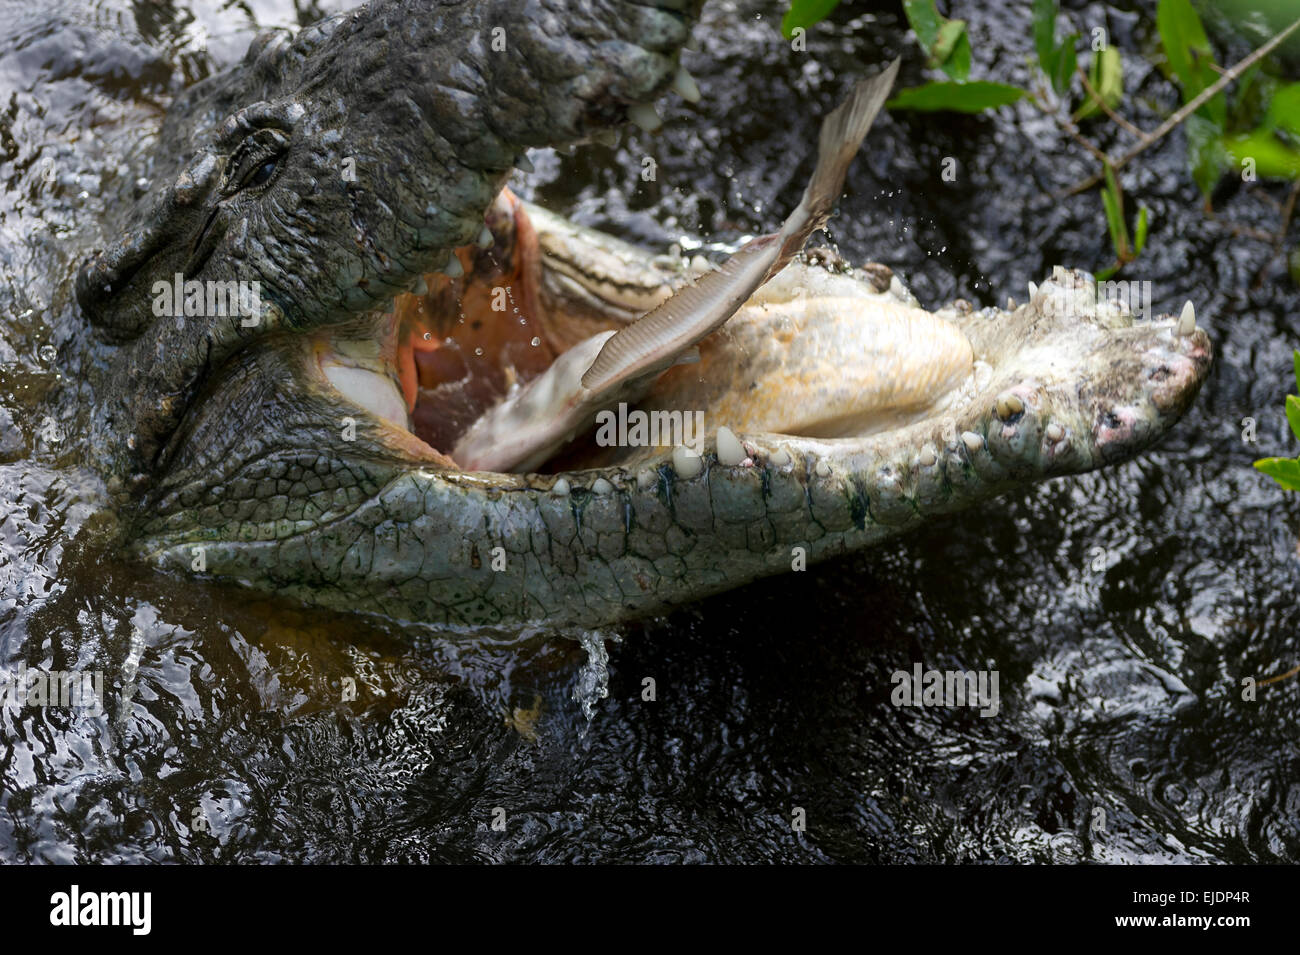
462, 345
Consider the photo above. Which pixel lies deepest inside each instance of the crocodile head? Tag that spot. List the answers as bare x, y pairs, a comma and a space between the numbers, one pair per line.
306, 187
302, 448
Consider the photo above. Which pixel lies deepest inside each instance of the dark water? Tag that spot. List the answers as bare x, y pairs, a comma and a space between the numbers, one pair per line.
1122, 609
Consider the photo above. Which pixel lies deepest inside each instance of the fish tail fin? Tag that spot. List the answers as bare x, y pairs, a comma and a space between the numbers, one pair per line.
841, 136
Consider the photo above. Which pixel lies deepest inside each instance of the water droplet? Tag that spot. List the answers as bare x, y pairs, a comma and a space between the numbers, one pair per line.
536, 341
478, 352
48, 353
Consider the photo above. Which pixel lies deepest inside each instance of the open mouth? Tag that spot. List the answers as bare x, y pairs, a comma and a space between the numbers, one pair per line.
456, 346
450, 352
822, 355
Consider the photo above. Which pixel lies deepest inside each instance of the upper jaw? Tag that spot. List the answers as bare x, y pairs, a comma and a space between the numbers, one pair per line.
354, 246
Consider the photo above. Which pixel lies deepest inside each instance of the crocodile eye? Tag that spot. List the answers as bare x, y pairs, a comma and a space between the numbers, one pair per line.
255, 163
262, 175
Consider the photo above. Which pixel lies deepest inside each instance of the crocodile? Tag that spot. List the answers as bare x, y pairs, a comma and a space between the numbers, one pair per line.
301, 438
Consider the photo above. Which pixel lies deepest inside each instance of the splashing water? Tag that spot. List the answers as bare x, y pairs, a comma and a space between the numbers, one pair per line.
592, 682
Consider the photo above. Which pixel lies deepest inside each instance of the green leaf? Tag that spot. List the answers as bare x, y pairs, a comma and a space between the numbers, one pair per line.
1284, 108
1296, 361
950, 31
972, 97
805, 13
1106, 74
1140, 233
1293, 414
924, 19
1114, 206
1063, 67
1181, 34
1045, 33
944, 40
1206, 156
1189, 54
1285, 471
1113, 200
958, 64
1253, 89
1273, 158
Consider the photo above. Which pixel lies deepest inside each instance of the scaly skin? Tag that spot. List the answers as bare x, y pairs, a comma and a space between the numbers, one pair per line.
422, 543
234, 456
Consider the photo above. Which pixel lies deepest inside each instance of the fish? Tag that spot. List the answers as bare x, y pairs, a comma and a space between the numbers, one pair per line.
535, 420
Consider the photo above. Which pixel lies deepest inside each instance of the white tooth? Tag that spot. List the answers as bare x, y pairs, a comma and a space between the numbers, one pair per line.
421, 287
560, 488
645, 479
1033, 291
1055, 432
972, 441
453, 269
686, 462
1008, 405
1187, 320
1011, 304
927, 457
685, 86
644, 115
376, 393
524, 164
730, 451
601, 486
822, 469
779, 458
700, 264
485, 238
